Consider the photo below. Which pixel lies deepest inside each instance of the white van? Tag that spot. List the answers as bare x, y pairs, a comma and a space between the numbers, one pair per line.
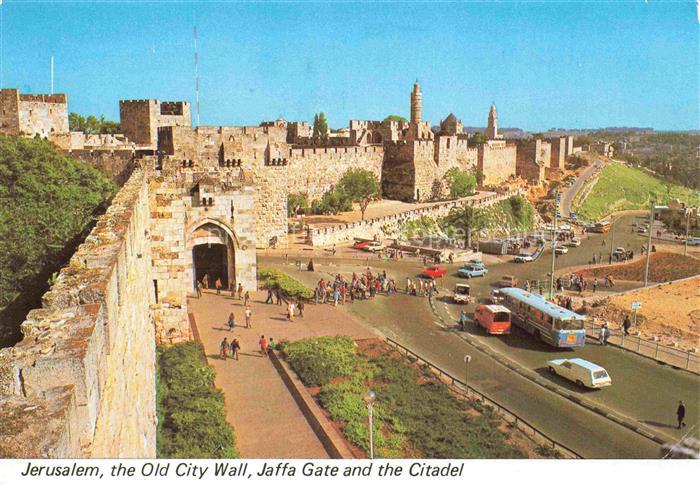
580, 371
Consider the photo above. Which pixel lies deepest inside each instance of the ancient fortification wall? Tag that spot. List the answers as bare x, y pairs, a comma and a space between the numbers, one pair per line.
390, 226
82, 381
534, 158
497, 162
33, 114
314, 170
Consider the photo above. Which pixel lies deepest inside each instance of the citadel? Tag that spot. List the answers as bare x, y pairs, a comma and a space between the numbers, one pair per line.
192, 195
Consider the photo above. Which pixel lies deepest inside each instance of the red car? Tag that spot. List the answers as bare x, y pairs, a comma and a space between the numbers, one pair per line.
434, 271
361, 244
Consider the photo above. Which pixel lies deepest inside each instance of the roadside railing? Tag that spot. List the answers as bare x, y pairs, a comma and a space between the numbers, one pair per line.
682, 359
509, 416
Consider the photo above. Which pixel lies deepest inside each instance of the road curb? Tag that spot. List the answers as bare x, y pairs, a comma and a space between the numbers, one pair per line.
527, 374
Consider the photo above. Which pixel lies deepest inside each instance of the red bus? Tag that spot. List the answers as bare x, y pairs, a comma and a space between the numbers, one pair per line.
495, 319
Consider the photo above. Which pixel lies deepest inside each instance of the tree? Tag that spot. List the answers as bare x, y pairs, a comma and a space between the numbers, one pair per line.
467, 218
461, 183
360, 186
92, 125
398, 118
320, 126
478, 138
296, 204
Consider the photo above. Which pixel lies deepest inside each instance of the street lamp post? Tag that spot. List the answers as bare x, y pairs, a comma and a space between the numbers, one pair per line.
687, 231
557, 198
651, 229
369, 399
612, 237
467, 359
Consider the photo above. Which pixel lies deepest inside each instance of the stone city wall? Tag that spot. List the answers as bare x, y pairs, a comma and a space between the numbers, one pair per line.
389, 227
43, 114
497, 162
313, 171
533, 160
81, 383
9, 112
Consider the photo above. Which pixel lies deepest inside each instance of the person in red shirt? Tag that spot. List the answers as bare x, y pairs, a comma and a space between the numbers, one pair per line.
263, 346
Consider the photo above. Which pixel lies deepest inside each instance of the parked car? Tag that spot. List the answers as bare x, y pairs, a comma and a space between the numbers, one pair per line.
374, 247
362, 244
574, 243
523, 258
434, 271
580, 371
508, 281
619, 251
694, 241
462, 293
561, 250
470, 270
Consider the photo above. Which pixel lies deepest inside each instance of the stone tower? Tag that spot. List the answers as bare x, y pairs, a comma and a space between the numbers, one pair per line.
492, 128
416, 105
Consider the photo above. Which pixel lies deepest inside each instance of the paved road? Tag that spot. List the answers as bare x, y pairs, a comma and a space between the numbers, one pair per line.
644, 390
567, 195
410, 321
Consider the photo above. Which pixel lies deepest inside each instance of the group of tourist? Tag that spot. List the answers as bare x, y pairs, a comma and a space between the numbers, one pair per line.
232, 349
421, 287
361, 287
205, 284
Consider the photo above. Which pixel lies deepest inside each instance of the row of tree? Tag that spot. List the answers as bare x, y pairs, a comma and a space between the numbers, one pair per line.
92, 125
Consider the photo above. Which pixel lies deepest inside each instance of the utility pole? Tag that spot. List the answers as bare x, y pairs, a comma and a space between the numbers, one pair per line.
557, 198
612, 236
687, 230
196, 74
651, 228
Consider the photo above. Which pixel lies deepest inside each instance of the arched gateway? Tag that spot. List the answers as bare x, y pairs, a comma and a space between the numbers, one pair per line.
213, 247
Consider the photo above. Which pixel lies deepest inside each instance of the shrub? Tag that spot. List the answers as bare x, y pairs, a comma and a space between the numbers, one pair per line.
412, 417
191, 415
333, 201
290, 287
319, 360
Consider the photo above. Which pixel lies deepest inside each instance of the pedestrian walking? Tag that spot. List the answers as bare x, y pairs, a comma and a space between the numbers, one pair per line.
680, 414
595, 285
604, 334
290, 311
231, 321
463, 320
300, 306
217, 285
240, 291
246, 298
205, 281
626, 324
223, 349
248, 316
269, 296
235, 348
199, 289
271, 345
278, 296
263, 346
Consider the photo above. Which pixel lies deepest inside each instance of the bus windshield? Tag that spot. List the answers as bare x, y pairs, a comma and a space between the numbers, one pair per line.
568, 324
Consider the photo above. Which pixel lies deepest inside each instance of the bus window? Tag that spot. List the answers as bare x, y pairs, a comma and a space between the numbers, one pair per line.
568, 324
501, 317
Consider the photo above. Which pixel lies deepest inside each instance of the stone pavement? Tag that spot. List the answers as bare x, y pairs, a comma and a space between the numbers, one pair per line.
266, 419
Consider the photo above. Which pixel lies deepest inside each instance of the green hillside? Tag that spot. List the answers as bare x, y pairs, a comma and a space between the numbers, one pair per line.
622, 188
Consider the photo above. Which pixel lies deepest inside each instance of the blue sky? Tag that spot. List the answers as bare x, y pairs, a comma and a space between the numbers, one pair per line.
545, 64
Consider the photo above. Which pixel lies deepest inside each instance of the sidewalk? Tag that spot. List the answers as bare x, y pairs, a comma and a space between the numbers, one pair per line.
266, 419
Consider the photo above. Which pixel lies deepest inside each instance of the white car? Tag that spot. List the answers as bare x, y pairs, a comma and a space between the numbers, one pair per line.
523, 258
694, 241
561, 250
373, 247
574, 243
580, 371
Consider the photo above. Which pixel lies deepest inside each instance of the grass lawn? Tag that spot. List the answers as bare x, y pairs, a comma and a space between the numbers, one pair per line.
415, 414
622, 188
